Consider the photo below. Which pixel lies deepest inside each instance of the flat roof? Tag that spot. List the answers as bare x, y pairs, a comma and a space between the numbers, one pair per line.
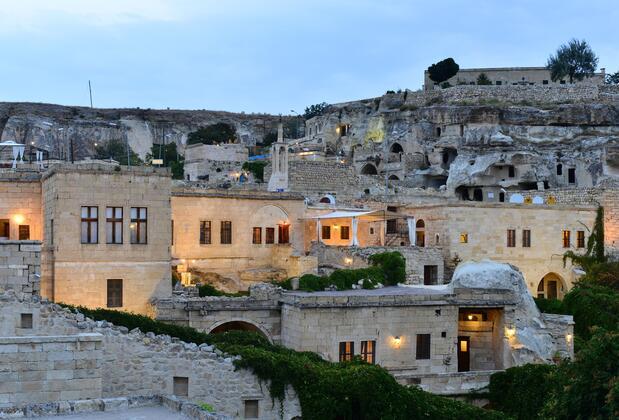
441, 289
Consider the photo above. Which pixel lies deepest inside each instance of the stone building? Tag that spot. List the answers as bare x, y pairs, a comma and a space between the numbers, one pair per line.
215, 162
523, 76
234, 238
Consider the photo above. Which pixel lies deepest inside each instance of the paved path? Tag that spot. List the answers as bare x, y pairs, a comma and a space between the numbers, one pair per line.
140, 413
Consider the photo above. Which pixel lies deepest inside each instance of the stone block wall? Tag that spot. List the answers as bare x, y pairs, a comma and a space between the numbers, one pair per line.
20, 266
50, 368
318, 177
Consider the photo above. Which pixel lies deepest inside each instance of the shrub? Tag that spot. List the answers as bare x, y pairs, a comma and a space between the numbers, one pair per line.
256, 168
213, 134
443, 70
393, 265
521, 391
482, 79
550, 306
592, 305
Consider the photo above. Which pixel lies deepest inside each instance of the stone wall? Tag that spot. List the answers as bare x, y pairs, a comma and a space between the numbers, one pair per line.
136, 364
35, 369
311, 177
20, 202
20, 266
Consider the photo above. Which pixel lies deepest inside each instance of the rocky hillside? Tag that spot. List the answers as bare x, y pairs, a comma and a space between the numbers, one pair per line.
52, 127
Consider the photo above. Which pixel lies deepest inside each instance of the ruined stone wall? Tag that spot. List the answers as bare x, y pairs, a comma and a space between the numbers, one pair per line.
50, 368
137, 364
20, 266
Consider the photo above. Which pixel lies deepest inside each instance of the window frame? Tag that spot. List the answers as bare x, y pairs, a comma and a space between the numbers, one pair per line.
345, 237
580, 239
346, 351
423, 349
21, 229
526, 238
325, 232
113, 221
140, 226
256, 239
225, 232
116, 302
431, 270
89, 220
269, 235
283, 234
567, 238
511, 238
206, 232
368, 351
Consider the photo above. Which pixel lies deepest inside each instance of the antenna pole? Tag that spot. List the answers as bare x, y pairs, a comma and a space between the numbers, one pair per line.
90, 92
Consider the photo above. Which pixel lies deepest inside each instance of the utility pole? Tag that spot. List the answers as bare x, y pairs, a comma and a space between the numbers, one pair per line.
90, 92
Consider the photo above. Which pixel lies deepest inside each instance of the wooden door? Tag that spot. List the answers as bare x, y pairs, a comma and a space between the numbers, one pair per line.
464, 354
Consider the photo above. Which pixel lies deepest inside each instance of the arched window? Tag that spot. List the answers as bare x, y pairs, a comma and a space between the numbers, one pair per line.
369, 169
420, 233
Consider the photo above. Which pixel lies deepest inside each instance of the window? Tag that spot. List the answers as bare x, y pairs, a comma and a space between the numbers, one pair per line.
51, 231
368, 351
571, 175
326, 232
438, 131
499, 83
511, 171
423, 346
464, 238
371, 231
526, 238
345, 232
580, 239
24, 232
270, 235
226, 232
90, 225
180, 386
114, 293
392, 226
171, 232
139, 225
544, 82
562, 82
559, 169
347, 350
430, 274
114, 225
283, 232
5, 229
566, 239
252, 409
26, 321
257, 236
205, 232
511, 238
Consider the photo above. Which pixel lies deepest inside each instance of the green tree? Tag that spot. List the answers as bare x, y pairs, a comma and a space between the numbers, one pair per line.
443, 70
117, 149
595, 246
315, 110
256, 168
171, 158
482, 79
575, 59
213, 134
269, 138
612, 79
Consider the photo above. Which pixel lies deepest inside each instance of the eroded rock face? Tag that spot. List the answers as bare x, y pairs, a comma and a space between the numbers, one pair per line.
531, 342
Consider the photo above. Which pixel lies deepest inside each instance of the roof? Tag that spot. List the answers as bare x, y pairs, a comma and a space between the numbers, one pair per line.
371, 215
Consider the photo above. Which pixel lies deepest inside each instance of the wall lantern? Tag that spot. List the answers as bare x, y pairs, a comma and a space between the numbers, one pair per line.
568, 338
18, 218
397, 341
510, 332
348, 261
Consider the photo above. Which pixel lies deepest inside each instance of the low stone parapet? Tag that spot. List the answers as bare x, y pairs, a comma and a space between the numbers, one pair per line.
20, 266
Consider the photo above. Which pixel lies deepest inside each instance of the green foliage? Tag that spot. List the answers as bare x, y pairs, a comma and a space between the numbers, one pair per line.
171, 158
315, 110
595, 246
326, 390
550, 306
117, 149
482, 79
390, 92
269, 138
206, 407
393, 265
446, 85
612, 79
210, 290
213, 134
575, 59
256, 168
521, 391
387, 268
592, 305
443, 70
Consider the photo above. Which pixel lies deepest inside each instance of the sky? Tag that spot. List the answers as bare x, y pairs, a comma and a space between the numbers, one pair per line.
273, 56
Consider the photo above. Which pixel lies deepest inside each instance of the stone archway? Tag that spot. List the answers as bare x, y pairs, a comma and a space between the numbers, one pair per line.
551, 286
369, 169
239, 325
396, 148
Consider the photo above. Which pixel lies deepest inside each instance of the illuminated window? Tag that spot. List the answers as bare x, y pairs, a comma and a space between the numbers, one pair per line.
464, 238
283, 234
566, 239
114, 225
347, 350
580, 239
257, 235
90, 225
464, 346
5, 229
139, 225
368, 351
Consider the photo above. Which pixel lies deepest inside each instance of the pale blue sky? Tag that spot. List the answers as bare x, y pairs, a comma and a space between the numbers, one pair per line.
273, 55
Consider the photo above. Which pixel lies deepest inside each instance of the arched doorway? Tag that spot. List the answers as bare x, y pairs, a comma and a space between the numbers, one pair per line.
394, 178
420, 233
237, 325
396, 148
369, 169
551, 286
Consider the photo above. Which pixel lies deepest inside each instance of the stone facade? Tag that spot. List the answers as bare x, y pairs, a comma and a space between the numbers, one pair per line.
20, 205
511, 76
214, 163
20, 266
119, 364
80, 272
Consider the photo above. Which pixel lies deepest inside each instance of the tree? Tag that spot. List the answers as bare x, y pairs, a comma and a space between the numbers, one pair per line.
213, 134
171, 158
612, 79
315, 110
482, 79
117, 149
443, 70
575, 59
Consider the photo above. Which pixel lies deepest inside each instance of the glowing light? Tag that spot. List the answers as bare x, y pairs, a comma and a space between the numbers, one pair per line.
132, 226
568, 338
19, 219
510, 332
396, 341
464, 346
348, 260
470, 317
